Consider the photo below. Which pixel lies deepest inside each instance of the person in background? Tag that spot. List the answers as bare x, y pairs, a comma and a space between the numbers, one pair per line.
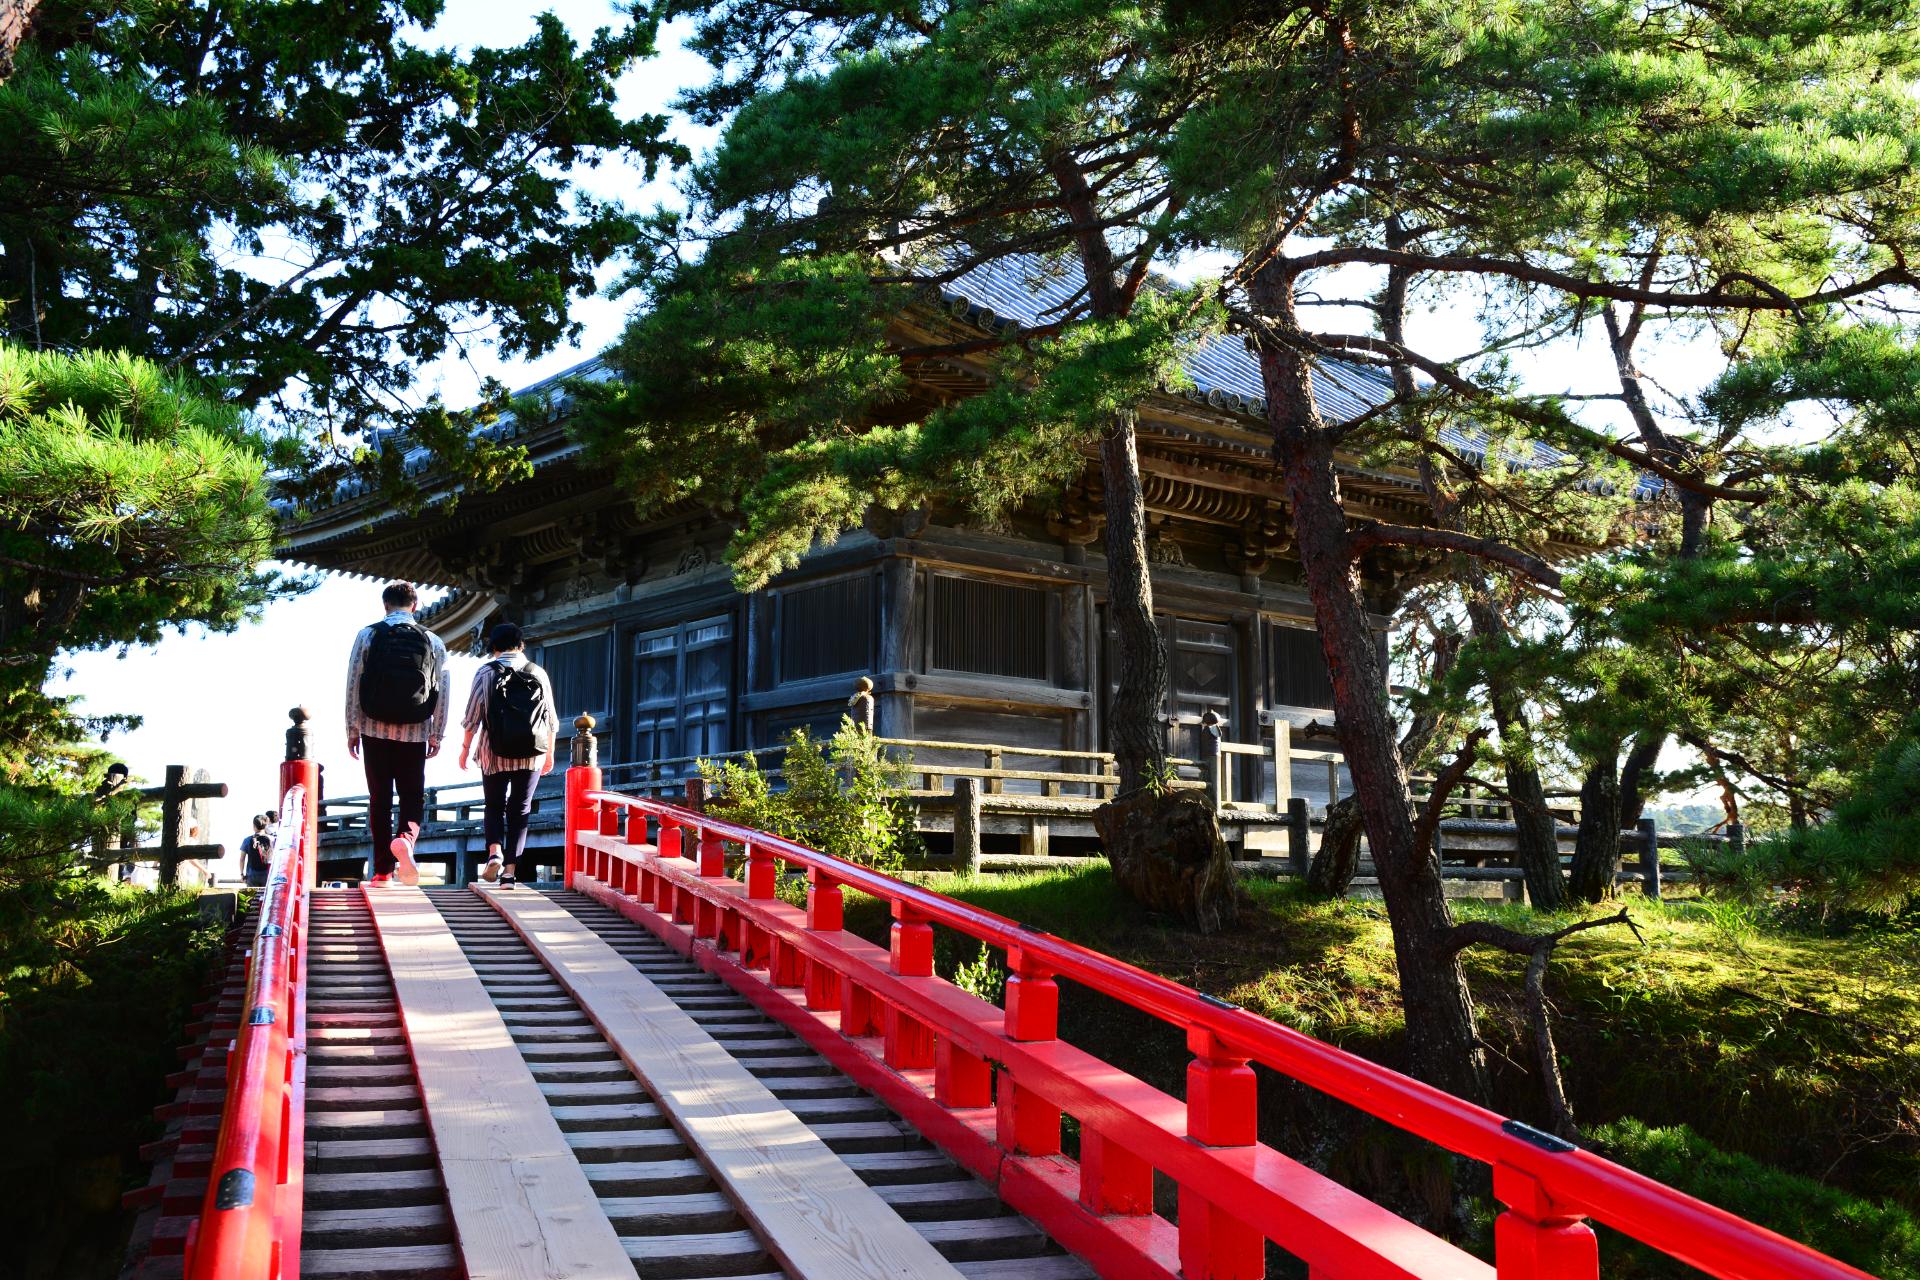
396, 718
511, 728
256, 851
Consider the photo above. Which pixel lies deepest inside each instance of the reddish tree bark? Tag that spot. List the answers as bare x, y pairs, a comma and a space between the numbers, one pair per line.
1442, 1042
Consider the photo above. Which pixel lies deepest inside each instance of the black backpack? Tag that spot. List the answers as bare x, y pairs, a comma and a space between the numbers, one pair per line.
397, 684
517, 719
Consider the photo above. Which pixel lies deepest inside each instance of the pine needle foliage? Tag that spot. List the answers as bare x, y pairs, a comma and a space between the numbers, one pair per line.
307, 202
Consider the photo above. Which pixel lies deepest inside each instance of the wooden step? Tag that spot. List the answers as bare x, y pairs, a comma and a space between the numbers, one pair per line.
373, 1187
364, 1226
414, 1262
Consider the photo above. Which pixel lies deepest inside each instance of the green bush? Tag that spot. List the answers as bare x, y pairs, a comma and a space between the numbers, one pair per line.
96, 981
844, 797
1873, 1235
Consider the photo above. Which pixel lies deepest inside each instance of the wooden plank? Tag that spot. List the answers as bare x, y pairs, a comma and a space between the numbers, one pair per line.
814, 1213
521, 1204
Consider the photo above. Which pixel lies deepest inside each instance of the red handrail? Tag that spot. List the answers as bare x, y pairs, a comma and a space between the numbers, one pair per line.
249, 1224
1548, 1184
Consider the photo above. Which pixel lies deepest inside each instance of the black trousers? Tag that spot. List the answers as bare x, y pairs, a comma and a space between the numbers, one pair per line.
509, 795
393, 767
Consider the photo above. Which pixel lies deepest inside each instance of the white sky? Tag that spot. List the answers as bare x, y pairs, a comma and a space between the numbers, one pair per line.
219, 701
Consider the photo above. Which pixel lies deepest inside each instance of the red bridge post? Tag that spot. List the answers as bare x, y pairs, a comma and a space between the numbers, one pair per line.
583, 778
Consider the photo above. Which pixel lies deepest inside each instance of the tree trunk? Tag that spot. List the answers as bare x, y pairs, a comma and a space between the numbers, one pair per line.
1166, 852
1164, 846
1596, 849
1633, 777
1442, 1042
1536, 838
1536, 834
1338, 857
1134, 728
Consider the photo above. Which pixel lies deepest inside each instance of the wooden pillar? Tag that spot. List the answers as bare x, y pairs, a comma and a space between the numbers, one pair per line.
170, 818
1253, 697
897, 656
1650, 857
1072, 662
1281, 755
1299, 837
966, 825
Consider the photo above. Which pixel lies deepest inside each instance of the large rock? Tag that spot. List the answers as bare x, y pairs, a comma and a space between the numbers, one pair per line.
1168, 855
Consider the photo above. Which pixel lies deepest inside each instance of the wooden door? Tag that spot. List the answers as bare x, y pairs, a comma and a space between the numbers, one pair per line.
682, 691
1201, 661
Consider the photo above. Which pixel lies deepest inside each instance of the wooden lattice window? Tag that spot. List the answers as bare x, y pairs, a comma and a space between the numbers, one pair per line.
988, 628
826, 628
1298, 668
578, 671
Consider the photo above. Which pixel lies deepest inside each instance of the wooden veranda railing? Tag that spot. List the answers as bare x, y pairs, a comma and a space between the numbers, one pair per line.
991, 1084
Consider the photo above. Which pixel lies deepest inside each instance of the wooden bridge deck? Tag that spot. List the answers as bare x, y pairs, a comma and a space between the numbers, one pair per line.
409, 1005
668, 1072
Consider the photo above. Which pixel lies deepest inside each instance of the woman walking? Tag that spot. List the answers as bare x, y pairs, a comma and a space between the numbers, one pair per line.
511, 727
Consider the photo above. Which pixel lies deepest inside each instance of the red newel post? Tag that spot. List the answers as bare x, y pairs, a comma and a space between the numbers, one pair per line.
1534, 1239
299, 768
761, 873
629, 877
663, 890
583, 776
1214, 1244
712, 864
1025, 1122
908, 1042
826, 913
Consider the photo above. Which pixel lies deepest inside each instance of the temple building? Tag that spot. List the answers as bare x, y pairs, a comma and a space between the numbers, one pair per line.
970, 634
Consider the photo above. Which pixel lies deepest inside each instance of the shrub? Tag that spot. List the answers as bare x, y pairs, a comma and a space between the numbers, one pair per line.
96, 980
844, 797
1873, 1235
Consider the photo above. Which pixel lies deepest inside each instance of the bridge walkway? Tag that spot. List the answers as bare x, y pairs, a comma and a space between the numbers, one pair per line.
376, 1195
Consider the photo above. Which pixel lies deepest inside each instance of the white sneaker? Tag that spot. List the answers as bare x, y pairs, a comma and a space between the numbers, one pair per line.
491, 871
405, 870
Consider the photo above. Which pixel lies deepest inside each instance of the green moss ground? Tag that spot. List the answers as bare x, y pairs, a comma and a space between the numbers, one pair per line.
1795, 1051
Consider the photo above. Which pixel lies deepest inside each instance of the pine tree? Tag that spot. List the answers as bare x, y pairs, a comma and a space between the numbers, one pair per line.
1018, 135
302, 204
1654, 169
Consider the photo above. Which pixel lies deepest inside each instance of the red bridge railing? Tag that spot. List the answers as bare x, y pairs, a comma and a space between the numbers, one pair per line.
249, 1224
991, 1084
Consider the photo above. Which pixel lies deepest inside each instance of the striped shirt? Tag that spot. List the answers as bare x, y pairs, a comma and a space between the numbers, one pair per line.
362, 725
475, 720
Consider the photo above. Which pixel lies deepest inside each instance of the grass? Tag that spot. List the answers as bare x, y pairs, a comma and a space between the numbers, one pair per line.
1796, 1051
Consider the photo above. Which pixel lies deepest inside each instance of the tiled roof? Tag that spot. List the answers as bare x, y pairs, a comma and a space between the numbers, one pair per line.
1024, 293
1029, 292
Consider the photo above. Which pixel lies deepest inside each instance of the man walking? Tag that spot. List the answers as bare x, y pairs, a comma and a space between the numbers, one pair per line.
511, 726
396, 717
